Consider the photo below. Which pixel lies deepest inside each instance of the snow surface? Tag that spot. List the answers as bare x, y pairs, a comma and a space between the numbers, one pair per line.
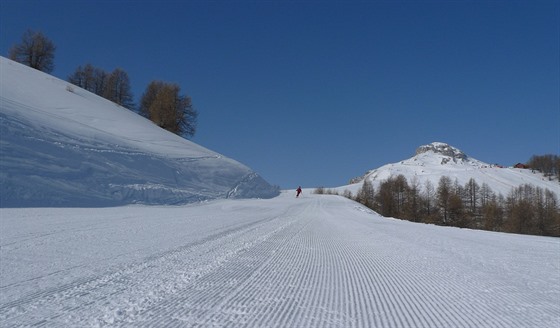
438, 159
313, 261
61, 145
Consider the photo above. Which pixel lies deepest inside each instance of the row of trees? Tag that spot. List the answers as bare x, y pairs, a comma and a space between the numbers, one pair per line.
549, 165
526, 209
114, 86
162, 102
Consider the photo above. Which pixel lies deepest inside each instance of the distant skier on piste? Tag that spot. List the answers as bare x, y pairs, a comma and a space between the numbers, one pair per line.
298, 191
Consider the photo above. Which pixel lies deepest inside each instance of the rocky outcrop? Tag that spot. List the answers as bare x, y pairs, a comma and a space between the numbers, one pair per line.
443, 149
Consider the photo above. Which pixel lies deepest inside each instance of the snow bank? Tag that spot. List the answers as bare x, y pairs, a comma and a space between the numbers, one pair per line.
64, 146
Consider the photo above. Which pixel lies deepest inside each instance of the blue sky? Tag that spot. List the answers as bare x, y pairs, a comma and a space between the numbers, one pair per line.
314, 93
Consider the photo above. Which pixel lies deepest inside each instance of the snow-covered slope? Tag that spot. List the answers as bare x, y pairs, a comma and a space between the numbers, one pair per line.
310, 262
63, 146
438, 159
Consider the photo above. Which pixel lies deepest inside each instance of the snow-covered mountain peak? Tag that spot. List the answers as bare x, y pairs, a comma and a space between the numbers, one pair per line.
440, 153
438, 159
443, 149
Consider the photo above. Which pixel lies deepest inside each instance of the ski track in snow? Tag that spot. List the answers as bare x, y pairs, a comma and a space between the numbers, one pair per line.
317, 261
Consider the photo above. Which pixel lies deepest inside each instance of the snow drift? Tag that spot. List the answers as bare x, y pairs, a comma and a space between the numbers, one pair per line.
64, 146
438, 159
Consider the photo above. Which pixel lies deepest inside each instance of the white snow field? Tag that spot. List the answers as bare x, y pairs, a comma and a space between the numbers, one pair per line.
313, 261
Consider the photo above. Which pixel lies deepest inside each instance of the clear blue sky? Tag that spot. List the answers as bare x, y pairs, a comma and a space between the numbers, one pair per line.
314, 93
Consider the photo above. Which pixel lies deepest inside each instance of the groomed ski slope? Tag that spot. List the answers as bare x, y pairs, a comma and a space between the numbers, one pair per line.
316, 261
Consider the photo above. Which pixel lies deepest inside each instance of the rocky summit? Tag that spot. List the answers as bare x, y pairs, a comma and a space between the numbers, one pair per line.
443, 149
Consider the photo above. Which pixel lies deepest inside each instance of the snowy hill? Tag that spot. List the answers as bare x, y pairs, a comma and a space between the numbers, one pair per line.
438, 159
64, 146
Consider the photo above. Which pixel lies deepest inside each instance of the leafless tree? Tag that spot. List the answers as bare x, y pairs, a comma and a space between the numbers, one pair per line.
114, 87
163, 104
117, 89
35, 50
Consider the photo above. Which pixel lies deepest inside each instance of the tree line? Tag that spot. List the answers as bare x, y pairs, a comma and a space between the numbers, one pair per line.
114, 86
549, 165
162, 102
525, 210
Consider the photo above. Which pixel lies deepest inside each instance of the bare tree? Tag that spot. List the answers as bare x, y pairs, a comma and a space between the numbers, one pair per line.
551, 219
413, 205
391, 199
35, 50
366, 194
428, 196
485, 194
493, 213
163, 105
548, 164
114, 87
84, 77
472, 190
99, 81
117, 89
444, 192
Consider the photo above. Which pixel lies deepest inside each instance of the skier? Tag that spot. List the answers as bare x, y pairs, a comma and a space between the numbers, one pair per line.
298, 191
